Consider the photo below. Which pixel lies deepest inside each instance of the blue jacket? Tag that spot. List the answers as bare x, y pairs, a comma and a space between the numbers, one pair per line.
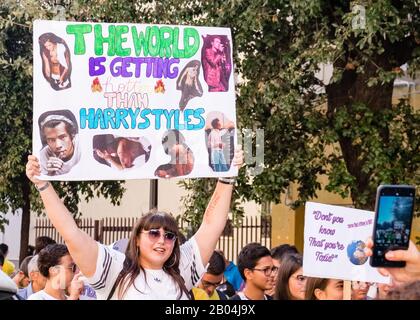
233, 276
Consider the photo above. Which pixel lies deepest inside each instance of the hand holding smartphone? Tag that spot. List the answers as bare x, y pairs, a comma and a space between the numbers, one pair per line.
394, 211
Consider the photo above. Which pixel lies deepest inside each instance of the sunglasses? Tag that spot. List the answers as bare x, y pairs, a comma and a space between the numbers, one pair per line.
155, 234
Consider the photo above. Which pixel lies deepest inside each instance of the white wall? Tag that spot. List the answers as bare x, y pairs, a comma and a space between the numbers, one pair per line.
11, 235
135, 201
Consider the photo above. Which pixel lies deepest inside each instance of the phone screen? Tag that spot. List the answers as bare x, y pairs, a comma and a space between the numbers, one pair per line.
393, 222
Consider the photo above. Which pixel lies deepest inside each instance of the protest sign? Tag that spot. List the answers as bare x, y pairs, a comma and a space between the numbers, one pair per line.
129, 101
334, 242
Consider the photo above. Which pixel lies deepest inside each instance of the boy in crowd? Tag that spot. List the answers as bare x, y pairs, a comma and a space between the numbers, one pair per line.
256, 268
211, 279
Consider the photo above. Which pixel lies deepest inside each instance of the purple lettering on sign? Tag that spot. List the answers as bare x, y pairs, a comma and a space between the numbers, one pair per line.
318, 215
153, 67
96, 67
327, 231
359, 224
327, 257
313, 242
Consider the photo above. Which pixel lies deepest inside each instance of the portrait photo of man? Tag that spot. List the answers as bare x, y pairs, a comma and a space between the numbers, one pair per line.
59, 137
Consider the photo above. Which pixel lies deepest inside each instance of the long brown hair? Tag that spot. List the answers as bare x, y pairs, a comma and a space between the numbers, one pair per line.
288, 266
132, 268
312, 284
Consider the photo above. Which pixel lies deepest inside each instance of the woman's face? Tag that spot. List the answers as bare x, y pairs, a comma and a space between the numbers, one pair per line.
156, 246
359, 290
333, 291
297, 283
193, 71
49, 45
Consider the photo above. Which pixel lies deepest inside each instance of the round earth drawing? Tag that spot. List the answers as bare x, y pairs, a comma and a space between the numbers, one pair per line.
355, 252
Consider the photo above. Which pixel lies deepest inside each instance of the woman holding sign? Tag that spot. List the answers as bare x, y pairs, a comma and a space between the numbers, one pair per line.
155, 265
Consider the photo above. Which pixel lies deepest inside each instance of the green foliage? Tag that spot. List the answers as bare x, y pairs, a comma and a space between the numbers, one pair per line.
16, 104
347, 128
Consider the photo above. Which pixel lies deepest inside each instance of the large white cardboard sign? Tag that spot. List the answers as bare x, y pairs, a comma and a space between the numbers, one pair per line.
129, 101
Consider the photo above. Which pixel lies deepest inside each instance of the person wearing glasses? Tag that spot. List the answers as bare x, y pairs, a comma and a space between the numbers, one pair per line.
207, 287
57, 266
256, 268
21, 276
278, 254
291, 282
37, 280
155, 266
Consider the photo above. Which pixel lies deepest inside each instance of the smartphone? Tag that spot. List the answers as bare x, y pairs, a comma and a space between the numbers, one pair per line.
394, 211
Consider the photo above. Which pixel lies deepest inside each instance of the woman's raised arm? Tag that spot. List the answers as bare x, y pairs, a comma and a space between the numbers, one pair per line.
82, 248
215, 217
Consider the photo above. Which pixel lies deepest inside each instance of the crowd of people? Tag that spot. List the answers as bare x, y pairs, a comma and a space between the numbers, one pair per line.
260, 274
157, 263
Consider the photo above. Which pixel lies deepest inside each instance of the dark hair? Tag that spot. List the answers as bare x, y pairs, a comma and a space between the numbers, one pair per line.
289, 266
31, 250
42, 50
24, 266
171, 138
4, 248
53, 123
182, 238
131, 268
49, 37
250, 255
70, 122
50, 256
408, 291
1, 259
312, 284
216, 264
227, 288
282, 250
214, 123
41, 242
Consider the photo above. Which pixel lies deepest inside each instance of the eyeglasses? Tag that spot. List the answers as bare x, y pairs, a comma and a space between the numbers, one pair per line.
72, 267
300, 278
267, 271
155, 234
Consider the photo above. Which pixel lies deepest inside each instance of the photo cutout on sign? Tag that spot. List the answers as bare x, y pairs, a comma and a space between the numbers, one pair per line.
219, 139
121, 152
217, 65
60, 142
56, 62
182, 157
189, 83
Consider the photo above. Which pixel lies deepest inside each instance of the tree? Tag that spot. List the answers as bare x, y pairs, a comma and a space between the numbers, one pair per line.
16, 192
346, 128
